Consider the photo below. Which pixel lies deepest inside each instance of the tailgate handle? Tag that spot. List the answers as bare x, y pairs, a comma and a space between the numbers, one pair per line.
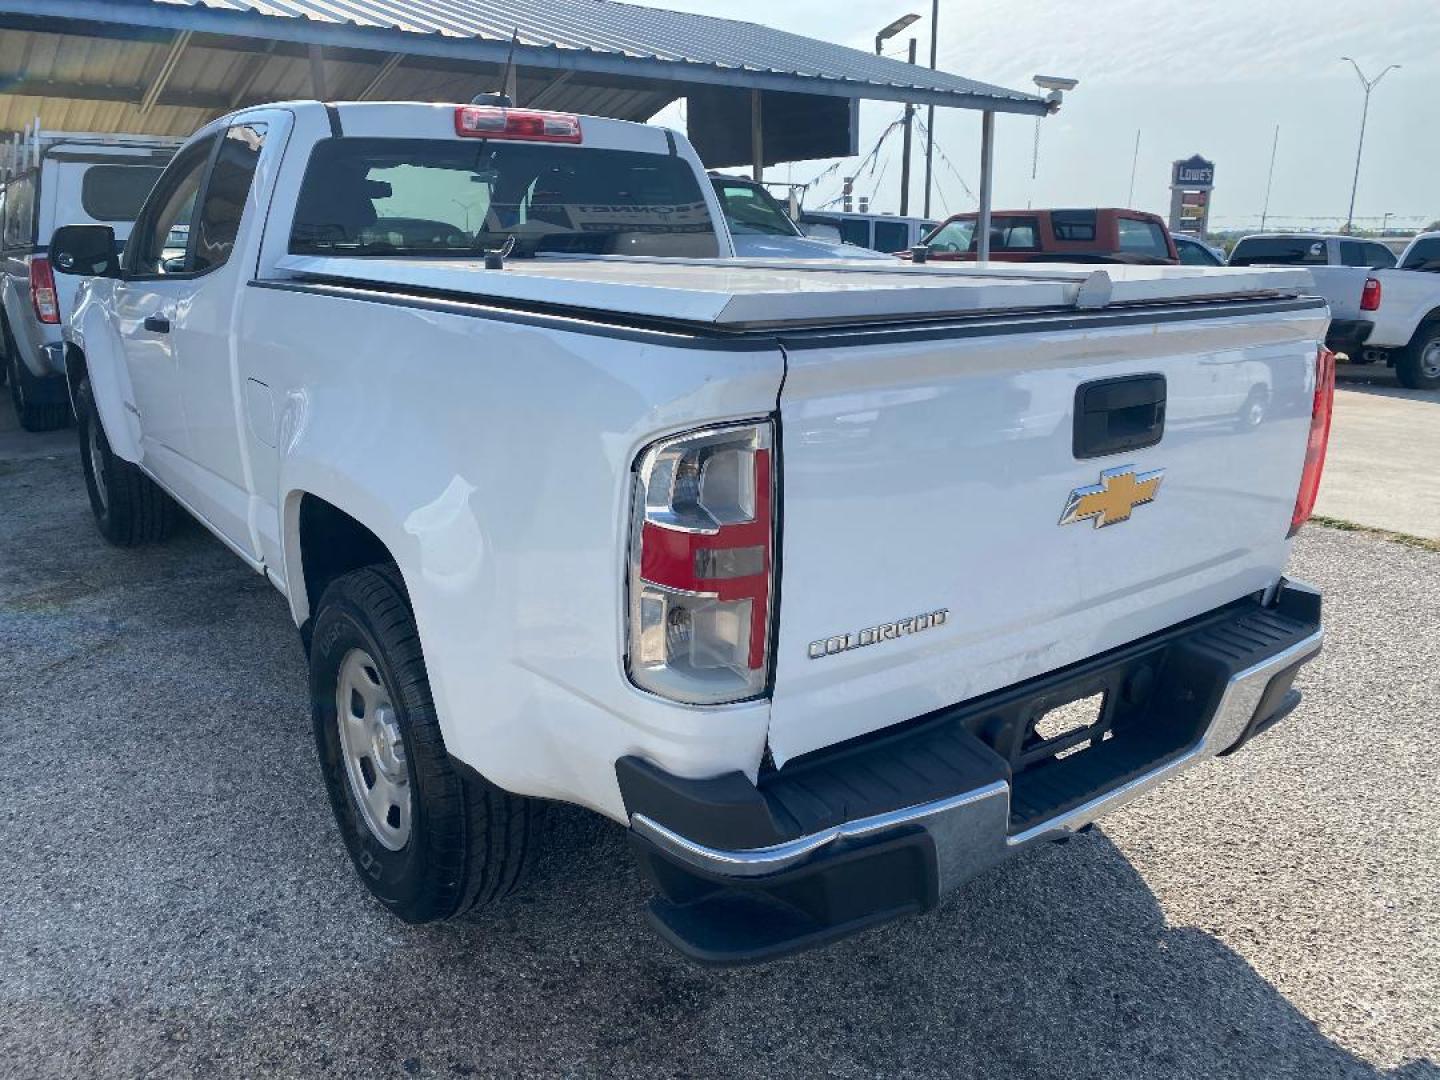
1116, 416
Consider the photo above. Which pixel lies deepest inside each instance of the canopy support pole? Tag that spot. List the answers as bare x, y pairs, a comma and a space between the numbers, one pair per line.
757, 136
987, 169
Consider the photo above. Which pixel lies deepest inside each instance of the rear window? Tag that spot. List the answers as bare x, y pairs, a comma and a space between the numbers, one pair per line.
1279, 251
116, 192
1142, 238
891, 236
364, 196
1424, 255
1014, 233
1073, 226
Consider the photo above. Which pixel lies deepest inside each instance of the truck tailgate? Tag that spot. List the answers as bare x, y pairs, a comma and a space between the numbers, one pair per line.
926, 471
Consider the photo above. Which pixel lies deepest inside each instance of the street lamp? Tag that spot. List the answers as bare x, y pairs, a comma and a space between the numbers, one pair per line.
894, 28
1057, 87
1368, 84
880, 39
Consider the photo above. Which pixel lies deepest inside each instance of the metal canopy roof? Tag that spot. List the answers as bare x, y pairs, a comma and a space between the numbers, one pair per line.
167, 66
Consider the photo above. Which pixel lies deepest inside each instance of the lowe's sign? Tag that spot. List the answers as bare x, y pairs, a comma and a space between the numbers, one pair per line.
1192, 173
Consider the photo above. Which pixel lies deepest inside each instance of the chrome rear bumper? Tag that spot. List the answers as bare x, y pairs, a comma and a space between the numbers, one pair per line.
955, 835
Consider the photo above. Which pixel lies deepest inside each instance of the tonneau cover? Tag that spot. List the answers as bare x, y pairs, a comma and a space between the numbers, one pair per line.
738, 294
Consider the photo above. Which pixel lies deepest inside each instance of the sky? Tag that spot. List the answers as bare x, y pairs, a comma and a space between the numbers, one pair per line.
1208, 77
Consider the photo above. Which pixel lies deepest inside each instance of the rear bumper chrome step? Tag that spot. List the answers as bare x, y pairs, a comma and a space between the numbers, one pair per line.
883, 827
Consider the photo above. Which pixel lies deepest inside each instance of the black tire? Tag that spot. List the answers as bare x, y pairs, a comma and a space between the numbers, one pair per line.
33, 411
468, 843
129, 507
1417, 367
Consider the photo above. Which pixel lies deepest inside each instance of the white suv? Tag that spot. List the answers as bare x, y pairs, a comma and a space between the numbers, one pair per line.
59, 178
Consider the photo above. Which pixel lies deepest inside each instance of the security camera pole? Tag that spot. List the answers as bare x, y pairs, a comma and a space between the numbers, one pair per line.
1368, 84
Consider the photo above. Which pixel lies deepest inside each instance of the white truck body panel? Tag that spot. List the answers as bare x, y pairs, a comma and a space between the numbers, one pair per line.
1407, 298
484, 424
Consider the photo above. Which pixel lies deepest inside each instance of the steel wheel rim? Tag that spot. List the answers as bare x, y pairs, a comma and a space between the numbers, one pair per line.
374, 750
97, 465
1430, 359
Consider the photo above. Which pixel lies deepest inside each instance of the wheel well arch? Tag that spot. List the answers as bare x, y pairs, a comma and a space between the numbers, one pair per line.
1429, 319
327, 543
76, 371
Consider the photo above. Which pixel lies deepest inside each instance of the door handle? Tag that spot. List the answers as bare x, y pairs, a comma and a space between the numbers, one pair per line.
158, 324
1116, 416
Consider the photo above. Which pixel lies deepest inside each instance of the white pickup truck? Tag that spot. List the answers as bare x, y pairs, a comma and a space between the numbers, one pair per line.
835, 583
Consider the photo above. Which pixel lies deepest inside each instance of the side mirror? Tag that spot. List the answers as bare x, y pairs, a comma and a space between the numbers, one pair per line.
87, 250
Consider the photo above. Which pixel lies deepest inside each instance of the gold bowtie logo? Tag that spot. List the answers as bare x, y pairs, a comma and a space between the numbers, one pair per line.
1114, 498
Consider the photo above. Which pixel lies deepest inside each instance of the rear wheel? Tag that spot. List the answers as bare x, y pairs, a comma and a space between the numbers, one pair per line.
1418, 366
34, 399
129, 507
429, 838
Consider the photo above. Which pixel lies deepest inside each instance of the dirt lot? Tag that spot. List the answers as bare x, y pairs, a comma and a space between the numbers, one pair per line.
174, 900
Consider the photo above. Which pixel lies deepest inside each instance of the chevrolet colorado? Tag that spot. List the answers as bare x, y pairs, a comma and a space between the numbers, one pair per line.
835, 583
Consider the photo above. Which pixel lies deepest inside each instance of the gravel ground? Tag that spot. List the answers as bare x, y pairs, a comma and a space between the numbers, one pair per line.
174, 900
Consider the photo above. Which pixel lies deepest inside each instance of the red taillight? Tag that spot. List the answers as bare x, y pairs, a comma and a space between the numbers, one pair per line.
42, 290
701, 566
1370, 297
495, 122
1319, 438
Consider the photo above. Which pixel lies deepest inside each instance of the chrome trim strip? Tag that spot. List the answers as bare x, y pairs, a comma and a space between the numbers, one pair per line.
1237, 707
752, 862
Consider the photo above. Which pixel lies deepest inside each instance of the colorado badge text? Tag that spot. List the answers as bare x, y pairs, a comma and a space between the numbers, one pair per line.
1114, 498
874, 635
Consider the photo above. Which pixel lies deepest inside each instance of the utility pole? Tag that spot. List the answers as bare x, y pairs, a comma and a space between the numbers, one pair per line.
905, 154
1368, 84
1270, 178
1134, 164
930, 112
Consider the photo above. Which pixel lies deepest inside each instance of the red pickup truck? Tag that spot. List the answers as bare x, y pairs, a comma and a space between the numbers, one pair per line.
1098, 235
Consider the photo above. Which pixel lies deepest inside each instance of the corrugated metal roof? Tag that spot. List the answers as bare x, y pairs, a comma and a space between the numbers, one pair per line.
594, 36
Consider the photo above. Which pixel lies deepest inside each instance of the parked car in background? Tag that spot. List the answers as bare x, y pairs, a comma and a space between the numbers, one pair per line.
887, 233
1098, 235
761, 229
59, 178
1422, 253
531, 513
1195, 252
1340, 265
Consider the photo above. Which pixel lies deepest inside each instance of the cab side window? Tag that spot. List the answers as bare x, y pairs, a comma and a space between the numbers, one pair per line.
160, 241
225, 196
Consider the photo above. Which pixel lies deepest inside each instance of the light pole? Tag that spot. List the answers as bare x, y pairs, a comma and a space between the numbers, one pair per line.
1368, 84
930, 112
880, 39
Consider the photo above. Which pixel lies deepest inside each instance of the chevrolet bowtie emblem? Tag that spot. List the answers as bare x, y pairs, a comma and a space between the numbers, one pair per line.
1112, 500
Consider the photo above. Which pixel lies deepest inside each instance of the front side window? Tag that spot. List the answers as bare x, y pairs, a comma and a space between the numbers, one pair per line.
1138, 237
225, 196
158, 244
1352, 253
116, 192
1193, 254
752, 211
1379, 257
388, 197
953, 236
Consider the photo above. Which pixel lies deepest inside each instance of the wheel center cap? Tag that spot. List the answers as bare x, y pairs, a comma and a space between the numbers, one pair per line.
387, 748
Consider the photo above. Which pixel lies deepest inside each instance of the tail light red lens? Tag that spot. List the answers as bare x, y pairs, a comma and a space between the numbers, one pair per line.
42, 290
1370, 296
495, 122
702, 565
1319, 439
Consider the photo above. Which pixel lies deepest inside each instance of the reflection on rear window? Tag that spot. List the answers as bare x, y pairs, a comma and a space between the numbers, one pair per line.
364, 196
1279, 251
116, 192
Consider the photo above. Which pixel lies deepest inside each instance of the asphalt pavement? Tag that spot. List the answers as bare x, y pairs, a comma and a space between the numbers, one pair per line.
174, 900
